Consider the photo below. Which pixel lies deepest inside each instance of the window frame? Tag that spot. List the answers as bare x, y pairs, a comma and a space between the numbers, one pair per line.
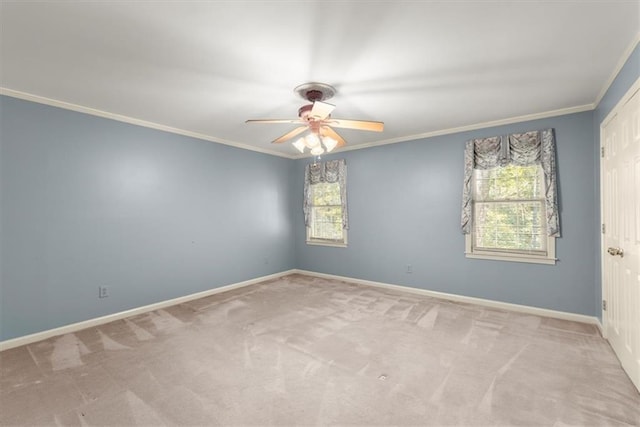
326, 242
549, 258
310, 240
537, 257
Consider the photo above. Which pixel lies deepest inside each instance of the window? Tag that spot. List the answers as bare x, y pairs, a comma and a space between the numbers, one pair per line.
325, 225
509, 213
325, 203
509, 209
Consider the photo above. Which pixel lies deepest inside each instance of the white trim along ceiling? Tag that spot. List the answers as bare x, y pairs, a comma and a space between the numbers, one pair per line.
423, 68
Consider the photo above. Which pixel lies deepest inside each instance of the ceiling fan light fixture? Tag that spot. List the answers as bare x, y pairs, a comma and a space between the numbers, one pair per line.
300, 145
329, 143
312, 141
317, 150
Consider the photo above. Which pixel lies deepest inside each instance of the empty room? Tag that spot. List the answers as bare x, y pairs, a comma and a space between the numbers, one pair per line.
320, 213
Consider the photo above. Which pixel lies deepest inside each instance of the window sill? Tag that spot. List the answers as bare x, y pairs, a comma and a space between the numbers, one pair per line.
323, 243
513, 258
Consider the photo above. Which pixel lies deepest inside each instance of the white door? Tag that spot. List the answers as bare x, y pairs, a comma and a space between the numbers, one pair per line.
620, 136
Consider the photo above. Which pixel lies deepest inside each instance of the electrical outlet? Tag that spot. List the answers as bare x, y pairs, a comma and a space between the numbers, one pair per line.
409, 269
103, 292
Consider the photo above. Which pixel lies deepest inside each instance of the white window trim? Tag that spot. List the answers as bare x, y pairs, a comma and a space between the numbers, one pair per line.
318, 241
504, 255
549, 258
325, 242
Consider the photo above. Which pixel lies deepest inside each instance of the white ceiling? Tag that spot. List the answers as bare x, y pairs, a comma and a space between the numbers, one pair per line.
422, 67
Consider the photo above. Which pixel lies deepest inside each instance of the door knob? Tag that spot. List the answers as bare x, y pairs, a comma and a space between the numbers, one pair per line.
616, 251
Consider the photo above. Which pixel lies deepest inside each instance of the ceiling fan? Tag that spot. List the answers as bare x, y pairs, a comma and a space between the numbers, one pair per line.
316, 118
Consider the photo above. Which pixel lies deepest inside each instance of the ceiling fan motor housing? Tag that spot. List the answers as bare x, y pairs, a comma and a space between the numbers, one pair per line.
303, 112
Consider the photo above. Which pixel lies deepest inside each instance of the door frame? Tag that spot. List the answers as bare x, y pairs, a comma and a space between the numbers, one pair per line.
614, 111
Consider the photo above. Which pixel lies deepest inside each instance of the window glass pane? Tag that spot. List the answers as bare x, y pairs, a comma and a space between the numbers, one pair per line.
512, 226
325, 194
508, 183
326, 222
326, 212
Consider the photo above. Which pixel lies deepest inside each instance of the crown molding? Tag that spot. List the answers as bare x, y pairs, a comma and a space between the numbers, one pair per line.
623, 60
94, 112
460, 129
131, 120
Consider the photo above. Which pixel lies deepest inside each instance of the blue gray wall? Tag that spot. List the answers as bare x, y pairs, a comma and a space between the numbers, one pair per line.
404, 208
87, 201
404, 203
627, 76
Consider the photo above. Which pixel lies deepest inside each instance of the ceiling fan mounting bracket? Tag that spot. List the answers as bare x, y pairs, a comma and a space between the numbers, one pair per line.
314, 91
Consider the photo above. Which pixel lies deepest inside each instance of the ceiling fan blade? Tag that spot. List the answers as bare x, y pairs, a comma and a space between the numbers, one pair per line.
321, 110
327, 131
268, 121
356, 124
290, 134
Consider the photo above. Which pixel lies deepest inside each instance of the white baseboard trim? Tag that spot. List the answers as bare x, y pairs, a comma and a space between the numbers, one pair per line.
74, 327
601, 328
470, 300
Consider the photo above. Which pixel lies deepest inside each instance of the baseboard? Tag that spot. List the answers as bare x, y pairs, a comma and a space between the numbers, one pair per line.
74, 327
601, 328
470, 300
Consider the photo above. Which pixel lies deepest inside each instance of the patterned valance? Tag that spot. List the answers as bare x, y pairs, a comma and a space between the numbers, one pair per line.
330, 171
523, 149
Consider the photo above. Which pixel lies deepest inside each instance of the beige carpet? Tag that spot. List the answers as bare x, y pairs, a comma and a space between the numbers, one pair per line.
309, 351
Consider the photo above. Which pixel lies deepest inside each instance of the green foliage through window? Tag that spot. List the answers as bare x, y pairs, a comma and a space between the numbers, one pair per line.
326, 212
509, 209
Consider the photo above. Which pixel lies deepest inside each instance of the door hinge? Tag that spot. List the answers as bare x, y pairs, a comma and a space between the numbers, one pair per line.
602, 228
604, 305
601, 151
